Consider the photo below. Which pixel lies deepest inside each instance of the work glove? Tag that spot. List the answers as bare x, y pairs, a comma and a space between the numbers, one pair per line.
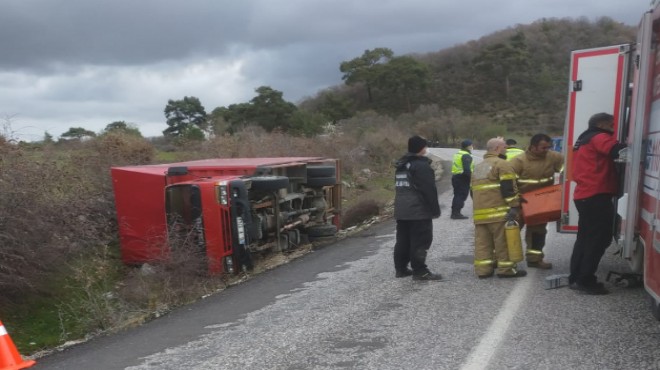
512, 214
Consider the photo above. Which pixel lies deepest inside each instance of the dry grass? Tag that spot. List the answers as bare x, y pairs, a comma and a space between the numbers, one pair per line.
59, 237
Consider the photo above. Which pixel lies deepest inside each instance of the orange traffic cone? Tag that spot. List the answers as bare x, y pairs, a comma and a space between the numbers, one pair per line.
10, 359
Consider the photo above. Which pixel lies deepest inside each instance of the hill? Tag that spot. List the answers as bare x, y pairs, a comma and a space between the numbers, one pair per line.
512, 82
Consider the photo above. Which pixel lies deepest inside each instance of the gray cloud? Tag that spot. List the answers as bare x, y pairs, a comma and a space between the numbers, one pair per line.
90, 62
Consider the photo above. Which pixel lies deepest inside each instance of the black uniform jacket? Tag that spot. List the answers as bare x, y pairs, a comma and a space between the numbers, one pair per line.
416, 195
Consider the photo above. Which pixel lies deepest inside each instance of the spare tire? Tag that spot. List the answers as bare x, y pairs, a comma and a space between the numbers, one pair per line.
321, 171
269, 182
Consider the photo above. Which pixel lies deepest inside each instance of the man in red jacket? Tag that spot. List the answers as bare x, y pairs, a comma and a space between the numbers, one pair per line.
596, 187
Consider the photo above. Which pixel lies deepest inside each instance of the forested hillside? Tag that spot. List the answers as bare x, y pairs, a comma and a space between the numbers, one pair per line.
514, 80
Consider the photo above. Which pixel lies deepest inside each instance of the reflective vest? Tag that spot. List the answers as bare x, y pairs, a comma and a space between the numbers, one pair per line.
457, 166
512, 152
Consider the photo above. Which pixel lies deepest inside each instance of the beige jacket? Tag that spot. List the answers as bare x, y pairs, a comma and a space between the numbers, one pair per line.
534, 171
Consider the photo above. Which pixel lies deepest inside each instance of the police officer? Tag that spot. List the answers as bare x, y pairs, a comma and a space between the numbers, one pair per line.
536, 168
511, 150
461, 171
415, 207
495, 200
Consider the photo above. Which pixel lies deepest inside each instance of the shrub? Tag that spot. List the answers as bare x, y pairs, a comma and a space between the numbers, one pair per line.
360, 212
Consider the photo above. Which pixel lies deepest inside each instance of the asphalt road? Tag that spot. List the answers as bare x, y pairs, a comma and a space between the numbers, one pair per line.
340, 307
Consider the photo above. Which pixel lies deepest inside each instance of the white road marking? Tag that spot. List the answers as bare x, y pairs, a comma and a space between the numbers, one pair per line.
480, 355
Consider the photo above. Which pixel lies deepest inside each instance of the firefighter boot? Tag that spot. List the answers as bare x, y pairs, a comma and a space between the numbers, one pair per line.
507, 269
535, 253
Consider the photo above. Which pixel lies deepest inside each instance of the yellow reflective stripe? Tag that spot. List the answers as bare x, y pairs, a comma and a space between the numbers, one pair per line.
485, 186
511, 199
533, 181
508, 176
535, 252
483, 211
505, 264
484, 262
488, 217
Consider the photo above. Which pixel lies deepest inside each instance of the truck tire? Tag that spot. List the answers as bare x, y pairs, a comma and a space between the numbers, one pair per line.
322, 230
269, 182
321, 181
321, 171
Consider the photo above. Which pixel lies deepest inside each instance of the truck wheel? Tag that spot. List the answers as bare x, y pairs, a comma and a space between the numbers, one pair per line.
321, 181
321, 171
322, 230
269, 182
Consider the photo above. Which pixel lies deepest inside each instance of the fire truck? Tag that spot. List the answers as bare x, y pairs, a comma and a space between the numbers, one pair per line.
624, 80
227, 209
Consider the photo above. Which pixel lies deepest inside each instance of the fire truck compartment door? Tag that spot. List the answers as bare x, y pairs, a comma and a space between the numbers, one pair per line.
597, 84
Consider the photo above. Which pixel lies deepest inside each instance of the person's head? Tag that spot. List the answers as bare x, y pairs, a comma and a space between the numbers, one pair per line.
603, 121
466, 144
496, 145
417, 145
540, 144
511, 142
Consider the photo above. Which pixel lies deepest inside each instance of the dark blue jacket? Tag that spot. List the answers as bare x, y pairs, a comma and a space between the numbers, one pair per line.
416, 195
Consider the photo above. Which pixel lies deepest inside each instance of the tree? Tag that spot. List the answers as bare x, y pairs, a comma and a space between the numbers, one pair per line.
184, 114
335, 106
501, 60
307, 123
77, 133
404, 78
217, 124
48, 138
365, 69
268, 109
122, 127
193, 133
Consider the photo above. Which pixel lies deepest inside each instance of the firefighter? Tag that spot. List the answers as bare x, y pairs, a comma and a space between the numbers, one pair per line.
512, 150
536, 168
461, 171
495, 200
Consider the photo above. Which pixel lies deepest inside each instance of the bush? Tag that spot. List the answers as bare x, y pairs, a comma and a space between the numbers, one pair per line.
360, 212
124, 149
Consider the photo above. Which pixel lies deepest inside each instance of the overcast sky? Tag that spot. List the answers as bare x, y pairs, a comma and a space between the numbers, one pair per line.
87, 63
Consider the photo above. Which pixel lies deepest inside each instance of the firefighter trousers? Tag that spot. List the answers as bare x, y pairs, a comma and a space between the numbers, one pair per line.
413, 240
490, 250
535, 241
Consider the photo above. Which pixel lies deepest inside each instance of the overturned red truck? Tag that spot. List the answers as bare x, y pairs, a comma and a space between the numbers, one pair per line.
227, 208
